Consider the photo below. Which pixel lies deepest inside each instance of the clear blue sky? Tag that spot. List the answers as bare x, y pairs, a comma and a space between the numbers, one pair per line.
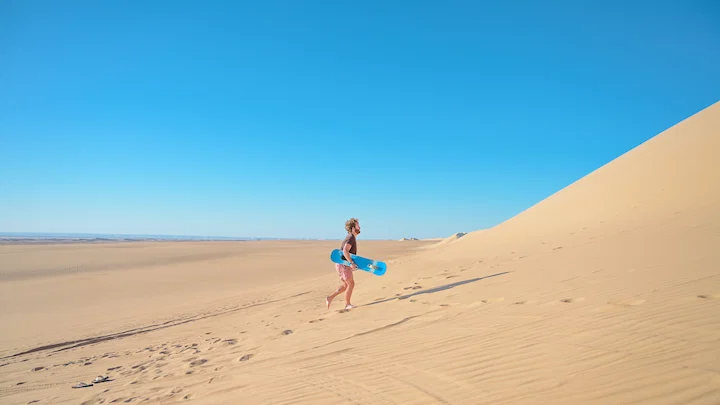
283, 119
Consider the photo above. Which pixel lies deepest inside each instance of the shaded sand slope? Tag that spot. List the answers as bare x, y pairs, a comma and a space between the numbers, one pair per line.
607, 292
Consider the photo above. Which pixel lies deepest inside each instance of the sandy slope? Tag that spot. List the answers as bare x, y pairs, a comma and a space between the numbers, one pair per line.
440, 242
607, 292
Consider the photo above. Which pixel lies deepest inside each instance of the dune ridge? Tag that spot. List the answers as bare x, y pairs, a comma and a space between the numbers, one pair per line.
606, 292
440, 242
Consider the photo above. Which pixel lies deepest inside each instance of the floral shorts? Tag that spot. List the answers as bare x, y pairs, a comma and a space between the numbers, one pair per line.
345, 272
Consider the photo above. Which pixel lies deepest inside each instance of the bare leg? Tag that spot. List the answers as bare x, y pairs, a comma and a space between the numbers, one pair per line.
337, 292
348, 293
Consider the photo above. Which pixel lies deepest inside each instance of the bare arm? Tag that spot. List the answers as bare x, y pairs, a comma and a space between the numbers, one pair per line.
346, 252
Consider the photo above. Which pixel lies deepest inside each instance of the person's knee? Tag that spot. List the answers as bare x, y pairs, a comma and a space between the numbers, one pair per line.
350, 283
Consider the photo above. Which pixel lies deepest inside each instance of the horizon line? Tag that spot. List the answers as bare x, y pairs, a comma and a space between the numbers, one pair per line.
132, 236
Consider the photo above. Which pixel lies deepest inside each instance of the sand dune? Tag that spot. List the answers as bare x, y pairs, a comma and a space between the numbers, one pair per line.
673, 174
607, 292
445, 241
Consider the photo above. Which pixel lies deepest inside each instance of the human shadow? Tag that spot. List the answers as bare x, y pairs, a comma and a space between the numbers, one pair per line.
436, 289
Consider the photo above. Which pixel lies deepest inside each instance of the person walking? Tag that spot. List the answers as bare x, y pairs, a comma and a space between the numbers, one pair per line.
345, 272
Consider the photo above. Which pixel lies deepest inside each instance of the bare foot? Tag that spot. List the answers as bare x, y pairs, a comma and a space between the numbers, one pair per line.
328, 300
349, 306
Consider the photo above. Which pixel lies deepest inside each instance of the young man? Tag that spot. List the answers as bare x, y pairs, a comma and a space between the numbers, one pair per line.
349, 246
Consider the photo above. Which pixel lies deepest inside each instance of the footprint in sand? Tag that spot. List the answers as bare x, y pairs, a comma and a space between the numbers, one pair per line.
198, 362
287, 332
316, 320
477, 304
519, 302
572, 300
247, 357
140, 367
708, 296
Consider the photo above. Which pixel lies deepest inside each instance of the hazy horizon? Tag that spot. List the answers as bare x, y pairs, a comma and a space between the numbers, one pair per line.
81, 235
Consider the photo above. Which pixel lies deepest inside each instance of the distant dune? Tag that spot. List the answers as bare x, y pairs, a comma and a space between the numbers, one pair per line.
607, 292
444, 241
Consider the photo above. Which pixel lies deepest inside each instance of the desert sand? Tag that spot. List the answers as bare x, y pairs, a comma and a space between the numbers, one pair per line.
607, 292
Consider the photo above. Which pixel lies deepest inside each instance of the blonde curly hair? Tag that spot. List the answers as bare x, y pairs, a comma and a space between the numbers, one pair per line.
350, 224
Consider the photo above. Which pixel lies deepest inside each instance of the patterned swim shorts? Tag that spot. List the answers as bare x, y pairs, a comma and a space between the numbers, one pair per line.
345, 272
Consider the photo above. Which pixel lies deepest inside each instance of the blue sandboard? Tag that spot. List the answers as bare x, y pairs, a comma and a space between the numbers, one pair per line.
363, 263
